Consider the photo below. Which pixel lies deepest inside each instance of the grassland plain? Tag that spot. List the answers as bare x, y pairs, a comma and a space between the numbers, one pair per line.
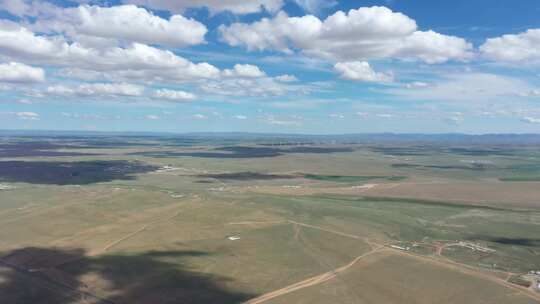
392, 278
163, 236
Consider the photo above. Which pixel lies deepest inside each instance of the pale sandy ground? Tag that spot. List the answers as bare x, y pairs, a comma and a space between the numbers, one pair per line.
503, 194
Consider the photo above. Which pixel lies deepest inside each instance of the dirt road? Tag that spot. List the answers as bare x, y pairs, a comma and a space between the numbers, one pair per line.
311, 281
319, 279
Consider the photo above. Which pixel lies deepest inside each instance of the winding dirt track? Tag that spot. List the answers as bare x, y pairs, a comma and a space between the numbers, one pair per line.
319, 279
134, 233
311, 281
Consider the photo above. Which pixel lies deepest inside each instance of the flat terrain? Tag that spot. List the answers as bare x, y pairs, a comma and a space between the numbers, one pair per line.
205, 220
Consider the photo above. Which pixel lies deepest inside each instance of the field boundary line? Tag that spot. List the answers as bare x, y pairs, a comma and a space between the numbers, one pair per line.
134, 233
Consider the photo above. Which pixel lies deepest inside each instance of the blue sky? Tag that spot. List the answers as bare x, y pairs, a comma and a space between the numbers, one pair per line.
288, 66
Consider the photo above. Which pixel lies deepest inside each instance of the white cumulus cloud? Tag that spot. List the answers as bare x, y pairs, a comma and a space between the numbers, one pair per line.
27, 115
134, 61
360, 34
152, 117
532, 120
286, 78
97, 89
124, 22
244, 70
215, 6
18, 72
513, 47
416, 85
175, 95
256, 87
23, 8
467, 87
199, 116
361, 71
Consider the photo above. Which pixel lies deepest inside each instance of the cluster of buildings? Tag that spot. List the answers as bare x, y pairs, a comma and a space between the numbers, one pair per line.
535, 275
475, 247
166, 168
5, 187
400, 247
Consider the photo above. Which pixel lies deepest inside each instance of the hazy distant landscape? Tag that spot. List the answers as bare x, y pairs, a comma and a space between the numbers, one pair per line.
269, 152
239, 218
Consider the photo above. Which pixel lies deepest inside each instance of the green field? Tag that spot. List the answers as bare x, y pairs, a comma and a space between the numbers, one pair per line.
352, 179
201, 228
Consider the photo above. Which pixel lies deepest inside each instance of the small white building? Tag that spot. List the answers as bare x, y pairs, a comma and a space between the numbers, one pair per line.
233, 238
400, 248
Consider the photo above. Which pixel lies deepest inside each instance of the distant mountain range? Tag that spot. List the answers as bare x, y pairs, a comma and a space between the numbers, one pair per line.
338, 138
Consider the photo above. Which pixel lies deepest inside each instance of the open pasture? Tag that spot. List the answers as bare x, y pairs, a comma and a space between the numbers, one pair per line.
159, 220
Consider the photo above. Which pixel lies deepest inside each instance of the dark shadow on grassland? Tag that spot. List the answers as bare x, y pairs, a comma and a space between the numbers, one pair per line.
245, 152
37, 148
247, 176
435, 149
54, 276
425, 150
353, 178
414, 201
252, 176
74, 143
526, 242
469, 151
205, 181
70, 173
404, 151
473, 167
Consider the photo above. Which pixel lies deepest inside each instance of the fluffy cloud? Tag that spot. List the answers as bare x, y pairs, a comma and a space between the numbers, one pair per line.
287, 121
23, 8
467, 87
535, 92
200, 116
87, 116
361, 34
244, 70
361, 71
286, 78
273, 34
97, 89
125, 22
513, 48
244, 87
174, 95
256, 87
135, 61
532, 120
454, 119
416, 85
15, 7
18, 72
14, 42
27, 115
215, 6
336, 116
385, 115
151, 117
